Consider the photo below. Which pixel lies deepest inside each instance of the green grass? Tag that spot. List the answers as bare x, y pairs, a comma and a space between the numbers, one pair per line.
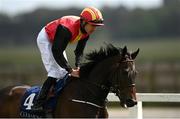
19, 55
156, 50
150, 51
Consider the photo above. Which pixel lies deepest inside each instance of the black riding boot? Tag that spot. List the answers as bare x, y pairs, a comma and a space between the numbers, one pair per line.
41, 99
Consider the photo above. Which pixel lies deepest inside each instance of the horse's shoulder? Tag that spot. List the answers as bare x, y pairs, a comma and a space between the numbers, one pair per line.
18, 90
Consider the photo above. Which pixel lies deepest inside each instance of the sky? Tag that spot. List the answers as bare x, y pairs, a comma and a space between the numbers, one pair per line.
14, 7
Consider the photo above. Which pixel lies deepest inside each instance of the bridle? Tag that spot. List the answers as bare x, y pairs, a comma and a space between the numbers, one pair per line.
115, 88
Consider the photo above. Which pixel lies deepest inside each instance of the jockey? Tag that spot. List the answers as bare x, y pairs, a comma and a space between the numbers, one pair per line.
53, 40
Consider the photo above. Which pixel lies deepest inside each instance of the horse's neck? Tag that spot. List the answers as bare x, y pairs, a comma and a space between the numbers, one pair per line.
99, 72
98, 81
93, 91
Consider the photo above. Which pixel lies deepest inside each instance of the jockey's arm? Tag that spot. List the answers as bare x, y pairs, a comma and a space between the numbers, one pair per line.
61, 40
79, 51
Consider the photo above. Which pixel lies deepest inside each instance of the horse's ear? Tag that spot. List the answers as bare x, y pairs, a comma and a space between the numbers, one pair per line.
124, 51
134, 54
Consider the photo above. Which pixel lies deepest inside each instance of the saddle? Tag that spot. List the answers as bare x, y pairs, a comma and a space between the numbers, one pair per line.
31, 95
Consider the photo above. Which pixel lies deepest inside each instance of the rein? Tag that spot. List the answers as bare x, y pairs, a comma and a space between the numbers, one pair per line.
86, 102
100, 86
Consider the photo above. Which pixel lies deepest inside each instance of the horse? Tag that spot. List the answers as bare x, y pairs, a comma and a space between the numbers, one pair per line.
111, 69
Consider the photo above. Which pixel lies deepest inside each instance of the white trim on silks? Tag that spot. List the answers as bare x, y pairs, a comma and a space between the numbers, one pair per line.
85, 102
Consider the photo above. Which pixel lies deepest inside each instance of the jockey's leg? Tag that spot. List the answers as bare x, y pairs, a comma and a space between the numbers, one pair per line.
41, 99
53, 69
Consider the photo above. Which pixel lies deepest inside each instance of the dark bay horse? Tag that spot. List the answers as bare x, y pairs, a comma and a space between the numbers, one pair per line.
110, 69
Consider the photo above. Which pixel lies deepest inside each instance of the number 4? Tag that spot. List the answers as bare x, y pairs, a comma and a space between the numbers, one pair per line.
29, 101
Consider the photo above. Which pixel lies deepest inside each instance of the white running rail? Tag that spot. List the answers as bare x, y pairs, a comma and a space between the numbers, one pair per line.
149, 97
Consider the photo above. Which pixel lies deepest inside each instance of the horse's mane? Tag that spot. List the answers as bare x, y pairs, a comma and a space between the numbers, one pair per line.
94, 57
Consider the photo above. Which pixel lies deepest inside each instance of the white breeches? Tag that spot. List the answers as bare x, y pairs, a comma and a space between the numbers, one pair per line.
52, 68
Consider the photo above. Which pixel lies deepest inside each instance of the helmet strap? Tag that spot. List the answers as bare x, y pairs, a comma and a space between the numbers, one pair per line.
82, 26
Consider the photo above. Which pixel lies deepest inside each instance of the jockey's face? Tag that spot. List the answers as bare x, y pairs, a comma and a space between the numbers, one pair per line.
90, 28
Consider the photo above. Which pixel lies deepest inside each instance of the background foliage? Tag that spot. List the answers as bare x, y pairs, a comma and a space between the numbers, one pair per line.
120, 23
155, 31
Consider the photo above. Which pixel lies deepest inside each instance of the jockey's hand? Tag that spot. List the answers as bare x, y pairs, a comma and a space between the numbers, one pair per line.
75, 73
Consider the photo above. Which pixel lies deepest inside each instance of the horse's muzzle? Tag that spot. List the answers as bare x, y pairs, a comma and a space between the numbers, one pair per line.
128, 103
